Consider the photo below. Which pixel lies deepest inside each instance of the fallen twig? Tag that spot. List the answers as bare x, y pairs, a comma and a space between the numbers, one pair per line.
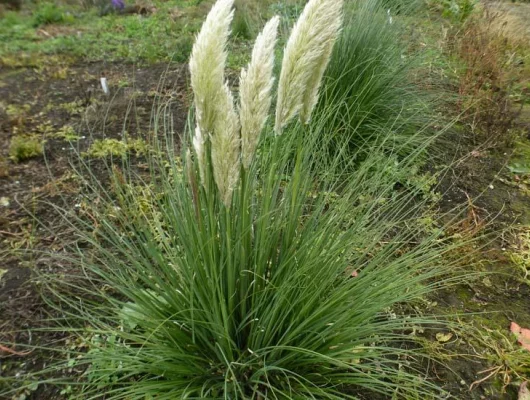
14, 352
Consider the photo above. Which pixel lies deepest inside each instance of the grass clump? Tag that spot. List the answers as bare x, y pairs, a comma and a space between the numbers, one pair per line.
372, 82
50, 13
257, 300
257, 278
22, 148
456, 11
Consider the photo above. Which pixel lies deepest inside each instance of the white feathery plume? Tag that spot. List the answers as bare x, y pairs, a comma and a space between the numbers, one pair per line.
226, 147
306, 57
207, 63
255, 90
198, 146
311, 95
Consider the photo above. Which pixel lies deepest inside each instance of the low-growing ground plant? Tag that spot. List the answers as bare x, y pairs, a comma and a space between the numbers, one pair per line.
102, 148
240, 270
50, 13
24, 147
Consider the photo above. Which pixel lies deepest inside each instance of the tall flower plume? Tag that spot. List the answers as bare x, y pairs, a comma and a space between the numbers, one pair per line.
198, 146
207, 63
306, 57
226, 148
217, 119
233, 138
255, 90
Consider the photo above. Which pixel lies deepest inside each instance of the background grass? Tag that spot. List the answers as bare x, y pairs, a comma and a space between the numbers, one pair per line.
161, 36
375, 82
164, 33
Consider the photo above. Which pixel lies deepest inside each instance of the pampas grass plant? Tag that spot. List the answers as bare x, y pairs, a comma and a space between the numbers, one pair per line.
282, 285
290, 293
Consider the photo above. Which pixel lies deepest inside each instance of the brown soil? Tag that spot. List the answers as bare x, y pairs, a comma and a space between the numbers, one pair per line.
496, 203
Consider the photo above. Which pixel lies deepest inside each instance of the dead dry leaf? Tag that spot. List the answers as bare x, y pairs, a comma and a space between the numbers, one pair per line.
522, 334
444, 337
11, 351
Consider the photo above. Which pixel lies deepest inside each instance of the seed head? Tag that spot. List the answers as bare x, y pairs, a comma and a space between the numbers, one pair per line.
226, 148
306, 57
255, 90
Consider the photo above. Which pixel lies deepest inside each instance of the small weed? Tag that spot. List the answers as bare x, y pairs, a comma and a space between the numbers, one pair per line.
66, 133
116, 148
50, 13
17, 113
45, 128
72, 108
69, 183
520, 160
25, 147
26, 392
520, 255
509, 361
59, 73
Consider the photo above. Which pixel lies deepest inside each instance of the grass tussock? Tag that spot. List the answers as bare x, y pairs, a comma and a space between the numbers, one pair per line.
287, 294
373, 82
